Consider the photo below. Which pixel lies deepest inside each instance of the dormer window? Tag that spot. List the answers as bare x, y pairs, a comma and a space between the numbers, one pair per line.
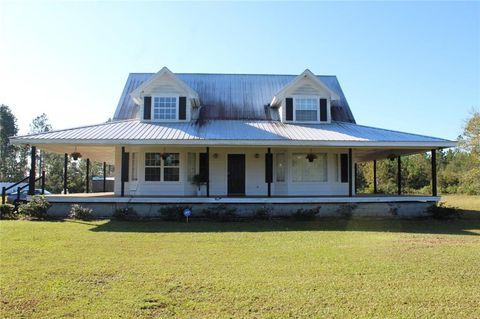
165, 107
306, 109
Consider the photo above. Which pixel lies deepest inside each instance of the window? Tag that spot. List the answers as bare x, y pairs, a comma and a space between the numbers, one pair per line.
305, 171
306, 109
171, 167
280, 167
164, 108
134, 167
154, 162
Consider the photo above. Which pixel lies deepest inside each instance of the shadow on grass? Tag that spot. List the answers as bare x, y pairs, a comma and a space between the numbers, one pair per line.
462, 226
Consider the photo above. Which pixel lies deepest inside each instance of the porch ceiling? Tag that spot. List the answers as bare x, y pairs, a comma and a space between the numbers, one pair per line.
365, 155
93, 152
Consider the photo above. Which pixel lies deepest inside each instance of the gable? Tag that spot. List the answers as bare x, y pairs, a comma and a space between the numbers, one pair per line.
305, 87
163, 82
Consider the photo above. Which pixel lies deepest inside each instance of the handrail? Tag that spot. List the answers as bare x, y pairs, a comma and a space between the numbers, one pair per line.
13, 185
19, 188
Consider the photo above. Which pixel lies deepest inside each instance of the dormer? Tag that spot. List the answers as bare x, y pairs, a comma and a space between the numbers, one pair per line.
165, 98
306, 99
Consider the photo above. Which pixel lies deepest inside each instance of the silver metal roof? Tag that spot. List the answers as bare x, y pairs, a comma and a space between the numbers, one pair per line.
233, 96
235, 132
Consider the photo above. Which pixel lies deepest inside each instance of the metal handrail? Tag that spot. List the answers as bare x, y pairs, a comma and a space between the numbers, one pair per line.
4, 189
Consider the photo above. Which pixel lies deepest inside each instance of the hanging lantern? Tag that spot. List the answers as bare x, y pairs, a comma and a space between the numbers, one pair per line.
311, 157
76, 155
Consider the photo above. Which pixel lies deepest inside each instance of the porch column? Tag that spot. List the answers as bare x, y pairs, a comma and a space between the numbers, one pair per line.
104, 177
208, 172
374, 176
434, 172
269, 171
399, 176
122, 173
350, 193
87, 177
355, 169
31, 177
65, 167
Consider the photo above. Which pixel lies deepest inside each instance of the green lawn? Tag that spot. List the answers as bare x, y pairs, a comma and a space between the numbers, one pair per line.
464, 202
327, 268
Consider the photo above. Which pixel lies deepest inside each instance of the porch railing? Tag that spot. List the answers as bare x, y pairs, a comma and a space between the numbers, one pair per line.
19, 188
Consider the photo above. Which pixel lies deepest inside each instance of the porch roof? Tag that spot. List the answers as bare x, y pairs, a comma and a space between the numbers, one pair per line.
233, 132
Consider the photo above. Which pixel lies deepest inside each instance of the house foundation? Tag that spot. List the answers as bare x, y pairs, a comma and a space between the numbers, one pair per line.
346, 207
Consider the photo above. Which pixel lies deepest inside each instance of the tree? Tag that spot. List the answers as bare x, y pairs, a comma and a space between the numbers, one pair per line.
469, 141
12, 164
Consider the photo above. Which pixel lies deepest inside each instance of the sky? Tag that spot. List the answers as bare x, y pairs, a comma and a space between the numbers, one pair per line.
408, 66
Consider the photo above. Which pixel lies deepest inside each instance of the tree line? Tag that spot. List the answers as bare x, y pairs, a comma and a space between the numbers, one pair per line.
14, 159
458, 169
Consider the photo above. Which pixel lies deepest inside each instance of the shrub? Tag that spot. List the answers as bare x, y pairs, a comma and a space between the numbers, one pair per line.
441, 211
7, 211
346, 210
306, 214
125, 214
79, 212
221, 213
263, 213
172, 213
37, 207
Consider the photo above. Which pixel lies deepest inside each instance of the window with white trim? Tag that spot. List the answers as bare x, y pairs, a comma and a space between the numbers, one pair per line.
171, 167
305, 171
153, 167
306, 109
162, 167
165, 107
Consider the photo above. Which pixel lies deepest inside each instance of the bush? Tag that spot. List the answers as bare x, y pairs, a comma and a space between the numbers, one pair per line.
441, 211
222, 213
346, 210
7, 211
263, 213
37, 208
125, 214
306, 214
172, 213
79, 212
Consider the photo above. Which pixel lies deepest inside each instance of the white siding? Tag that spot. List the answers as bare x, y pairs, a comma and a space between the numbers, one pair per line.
254, 179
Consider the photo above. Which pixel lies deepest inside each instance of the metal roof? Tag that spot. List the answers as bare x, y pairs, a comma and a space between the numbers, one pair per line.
233, 132
233, 96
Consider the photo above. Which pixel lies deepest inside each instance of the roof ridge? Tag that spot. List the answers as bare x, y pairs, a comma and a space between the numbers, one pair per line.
253, 74
73, 128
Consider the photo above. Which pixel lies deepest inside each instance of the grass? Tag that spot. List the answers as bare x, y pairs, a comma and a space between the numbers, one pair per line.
328, 268
464, 202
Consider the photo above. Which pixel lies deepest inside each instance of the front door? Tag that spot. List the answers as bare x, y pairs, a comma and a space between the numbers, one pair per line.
236, 174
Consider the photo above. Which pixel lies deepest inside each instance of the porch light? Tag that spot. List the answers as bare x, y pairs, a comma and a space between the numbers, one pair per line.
215, 155
257, 155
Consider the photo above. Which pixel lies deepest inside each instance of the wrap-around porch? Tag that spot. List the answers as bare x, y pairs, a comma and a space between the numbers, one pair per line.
237, 174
